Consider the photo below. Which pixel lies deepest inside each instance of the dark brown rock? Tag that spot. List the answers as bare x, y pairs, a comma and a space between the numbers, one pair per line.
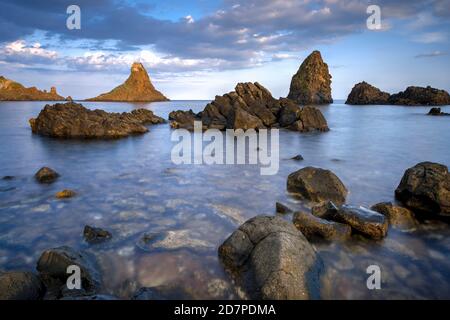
281, 208
72, 120
312, 226
183, 119
317, 185
364, 93
46, 175
398, 217
420, 96
95, 235
437, 112
324, 210
21, 286
271, 259
312, 82
426, 188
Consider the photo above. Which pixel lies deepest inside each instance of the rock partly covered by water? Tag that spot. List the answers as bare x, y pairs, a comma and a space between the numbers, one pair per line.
364, 93
312, 226
420, 96
46, 175
317, 185
426, 188
312, 82
14, 91
137, 88
437, 112
72, 120
251, 106
20, 286
398, 217
271, 259
95, 235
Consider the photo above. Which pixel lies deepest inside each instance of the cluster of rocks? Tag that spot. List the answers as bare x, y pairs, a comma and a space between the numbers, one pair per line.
272, 259
364, 94
251, 106
72, 120
437, 112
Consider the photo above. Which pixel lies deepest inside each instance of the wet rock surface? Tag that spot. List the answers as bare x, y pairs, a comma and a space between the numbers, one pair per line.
312, 226
172, 240
65, 194
364, 93
95, 235
425, 188
271, 259
72, 120
398, 217
317, 185
46, 175
281, 208
163, 292
20, 286
324, 210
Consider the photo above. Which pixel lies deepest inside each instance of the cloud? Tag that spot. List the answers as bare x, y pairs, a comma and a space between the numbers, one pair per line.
20, 51
431, 37
431, 54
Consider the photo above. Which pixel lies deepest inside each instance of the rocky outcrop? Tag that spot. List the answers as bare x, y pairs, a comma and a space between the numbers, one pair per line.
94, 235
364, 93
65, 194
312, 226
312, 82
251, 106
137, 88
20, 286
14, 91
437, 112
271, 259
72, 120
425, 188
398, 217
317, 185
46, 175
420, 96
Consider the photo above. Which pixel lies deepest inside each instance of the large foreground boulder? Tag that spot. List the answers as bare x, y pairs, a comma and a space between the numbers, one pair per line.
364, 93
72, 120
420, 96
312, 82
20, 286
271, 259
317, 185
426, 188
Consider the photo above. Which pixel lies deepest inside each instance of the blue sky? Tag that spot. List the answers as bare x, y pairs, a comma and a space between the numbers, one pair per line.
198, 49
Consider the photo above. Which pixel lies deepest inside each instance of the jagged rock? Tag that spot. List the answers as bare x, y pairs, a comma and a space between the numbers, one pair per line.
312, 82
66, 193
298, 157
46, 175
324, 210
316, 184
251, 106
281, 208
137, 88
437, 112
398, 217
271, 259
364, 93
53, 263
95, 235
312, 226
14, 91
20, 286
426, 188
72, 120
418, 96
370, 223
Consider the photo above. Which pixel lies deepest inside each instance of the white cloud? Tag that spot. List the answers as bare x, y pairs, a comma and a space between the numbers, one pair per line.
431, 37
20, 47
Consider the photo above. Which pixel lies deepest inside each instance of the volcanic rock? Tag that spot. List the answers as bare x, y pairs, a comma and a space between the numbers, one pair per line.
312, 82
312, 226
95, 235
14, 91
46, 175
437, 112
420, 96
364, 93
72, 120
271, 259
426, 188
66, 193
137, 88
398, 217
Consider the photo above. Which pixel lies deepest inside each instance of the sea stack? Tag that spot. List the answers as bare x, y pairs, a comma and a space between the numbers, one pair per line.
312, 82
137, 88
14, 91
364, 93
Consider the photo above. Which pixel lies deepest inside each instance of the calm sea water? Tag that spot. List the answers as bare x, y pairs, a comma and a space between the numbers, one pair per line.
131, 187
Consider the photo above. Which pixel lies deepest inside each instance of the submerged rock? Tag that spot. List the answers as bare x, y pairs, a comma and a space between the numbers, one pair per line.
8, 178
324, 210
162, 292
420, 96
316, 184
398, 217
364, 93
298, 157
172, 240
312, 226
370, 223
72, 120
14, 91
271, 259
137, 88
281, 208
95, 235
21, 286
312, 82
46, 175
66, 193
437, 112
426, 188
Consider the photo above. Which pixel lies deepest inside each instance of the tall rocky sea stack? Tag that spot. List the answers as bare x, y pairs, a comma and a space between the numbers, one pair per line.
14, 91
312, 82
137, 88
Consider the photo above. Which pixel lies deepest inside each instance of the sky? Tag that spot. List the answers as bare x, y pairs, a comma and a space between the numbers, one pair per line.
201, 48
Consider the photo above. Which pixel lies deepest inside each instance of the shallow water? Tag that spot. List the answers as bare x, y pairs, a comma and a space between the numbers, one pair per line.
131, 187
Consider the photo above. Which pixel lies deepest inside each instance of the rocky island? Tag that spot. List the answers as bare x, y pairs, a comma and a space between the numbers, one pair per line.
364, 93
14, 91
137, 88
